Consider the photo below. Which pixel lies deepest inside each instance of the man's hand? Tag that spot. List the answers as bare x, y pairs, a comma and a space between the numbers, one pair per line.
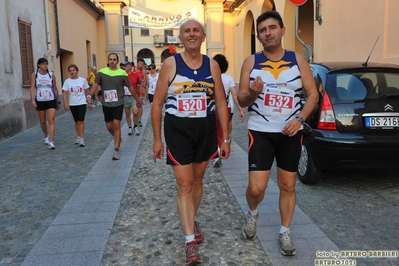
256, 86
158, 150
291, 128
138, 102
224, 150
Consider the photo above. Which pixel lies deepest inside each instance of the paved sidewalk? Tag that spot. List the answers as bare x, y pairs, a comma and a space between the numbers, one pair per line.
75, 206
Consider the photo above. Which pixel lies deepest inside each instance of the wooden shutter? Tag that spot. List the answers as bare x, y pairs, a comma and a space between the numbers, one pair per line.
25, 44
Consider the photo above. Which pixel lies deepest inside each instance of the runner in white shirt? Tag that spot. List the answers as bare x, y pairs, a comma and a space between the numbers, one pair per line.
231, 97
152, 82
77, 89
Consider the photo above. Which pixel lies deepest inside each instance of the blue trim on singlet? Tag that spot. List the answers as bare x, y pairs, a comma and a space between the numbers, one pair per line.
200, 82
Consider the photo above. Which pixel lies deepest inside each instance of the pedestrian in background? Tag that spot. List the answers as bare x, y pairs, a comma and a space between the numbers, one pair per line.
131, 108
112, 79
231, 97
271, 82
76, 89
140, 71
191, 83
90, 80
45, 99
152, 81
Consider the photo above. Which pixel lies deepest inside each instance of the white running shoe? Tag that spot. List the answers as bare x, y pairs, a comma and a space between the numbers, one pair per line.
46, 140
81, 142
51, 145
136, 131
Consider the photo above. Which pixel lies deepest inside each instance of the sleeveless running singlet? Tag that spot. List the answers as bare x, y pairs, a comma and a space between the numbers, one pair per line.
44, 87
280, 100
191, 92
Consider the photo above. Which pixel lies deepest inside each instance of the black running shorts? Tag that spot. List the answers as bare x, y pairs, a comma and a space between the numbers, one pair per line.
43, 106
264, 146
78, 112
190, 140
111, 113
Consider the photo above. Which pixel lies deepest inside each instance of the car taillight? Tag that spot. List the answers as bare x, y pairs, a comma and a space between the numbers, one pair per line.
327, 117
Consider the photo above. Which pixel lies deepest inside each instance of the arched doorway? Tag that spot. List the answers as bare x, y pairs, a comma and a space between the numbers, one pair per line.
147, 55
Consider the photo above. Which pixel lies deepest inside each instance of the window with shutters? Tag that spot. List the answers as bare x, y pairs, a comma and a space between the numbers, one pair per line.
126, 25
25, 44
168, 33
145, 32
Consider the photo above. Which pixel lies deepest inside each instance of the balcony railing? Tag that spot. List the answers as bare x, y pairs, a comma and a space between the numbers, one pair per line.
161, 40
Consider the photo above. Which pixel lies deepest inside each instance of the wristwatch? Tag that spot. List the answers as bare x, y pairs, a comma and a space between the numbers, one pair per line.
226, 140
59, 102
299, 118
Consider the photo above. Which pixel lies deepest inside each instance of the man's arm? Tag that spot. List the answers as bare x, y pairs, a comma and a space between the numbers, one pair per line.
221, 107
248, 92
308, 83
134, 94
169, 70
145, 85
293, 126
241, 111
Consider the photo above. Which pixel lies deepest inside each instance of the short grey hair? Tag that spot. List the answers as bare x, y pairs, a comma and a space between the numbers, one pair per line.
191, 20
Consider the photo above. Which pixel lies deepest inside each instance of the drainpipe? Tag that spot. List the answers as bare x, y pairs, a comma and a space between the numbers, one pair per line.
57, 30
48, 43
299, 39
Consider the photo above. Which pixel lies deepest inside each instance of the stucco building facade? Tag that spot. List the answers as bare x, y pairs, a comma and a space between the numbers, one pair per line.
84, 32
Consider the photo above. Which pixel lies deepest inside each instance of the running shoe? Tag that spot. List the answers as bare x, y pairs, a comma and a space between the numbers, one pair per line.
51, 145
136, 131
192, 256
46, 140
81, 142
116, 155
130, 131
140, 124
217, 163
249, 227
77, 140
287, 248
199, 237
99, 104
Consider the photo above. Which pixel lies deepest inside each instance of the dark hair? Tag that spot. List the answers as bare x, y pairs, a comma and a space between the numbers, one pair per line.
140, 60
41, 61
267, 15
222, 61
117, 56
73, 66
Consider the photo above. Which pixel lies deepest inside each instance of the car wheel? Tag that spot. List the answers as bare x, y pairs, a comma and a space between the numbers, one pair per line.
308, 173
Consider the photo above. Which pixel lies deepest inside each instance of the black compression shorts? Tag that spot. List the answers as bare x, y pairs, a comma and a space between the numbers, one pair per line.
264, 146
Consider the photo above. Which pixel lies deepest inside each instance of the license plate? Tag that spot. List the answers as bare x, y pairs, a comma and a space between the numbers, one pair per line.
382, 122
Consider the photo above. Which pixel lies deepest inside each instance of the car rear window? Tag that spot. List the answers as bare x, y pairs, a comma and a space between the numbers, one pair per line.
358, 86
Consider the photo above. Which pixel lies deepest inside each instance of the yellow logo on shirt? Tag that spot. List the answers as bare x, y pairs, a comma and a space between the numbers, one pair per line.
275, 67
